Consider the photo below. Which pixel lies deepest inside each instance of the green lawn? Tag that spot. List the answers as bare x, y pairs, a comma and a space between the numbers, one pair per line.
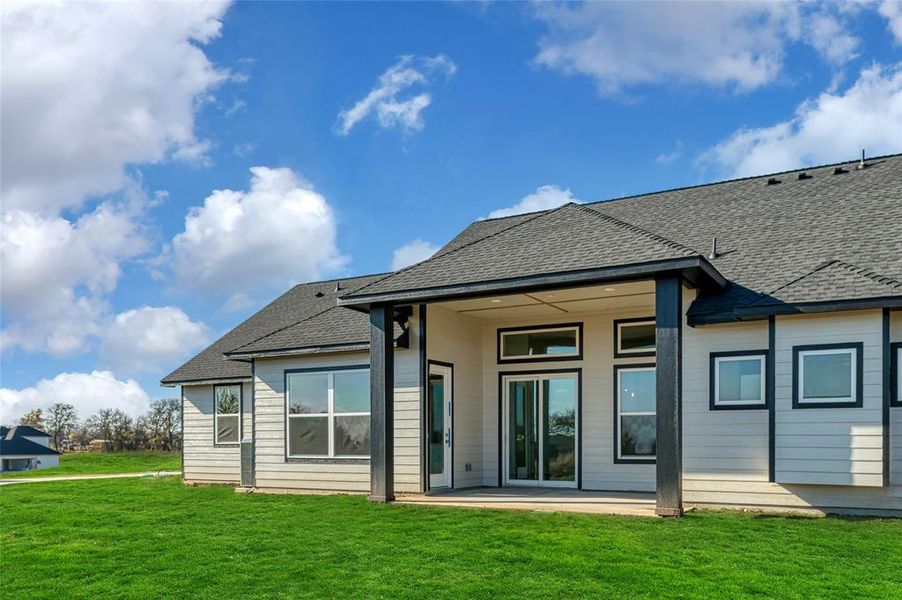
95, 463
155, 538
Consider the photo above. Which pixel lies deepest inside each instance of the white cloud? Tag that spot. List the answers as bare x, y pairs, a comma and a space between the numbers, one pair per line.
91, 87
544, 198
411, 253
892, 10
392, 101
278, 232
56, 273
738, 45
148, 339
88, 392
668, 158
832, 127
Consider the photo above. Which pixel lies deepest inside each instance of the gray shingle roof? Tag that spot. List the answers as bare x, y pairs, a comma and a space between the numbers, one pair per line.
300, 303
770, 236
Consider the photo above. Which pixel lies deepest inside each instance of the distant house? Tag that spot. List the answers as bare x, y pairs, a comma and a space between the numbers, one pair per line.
24, 448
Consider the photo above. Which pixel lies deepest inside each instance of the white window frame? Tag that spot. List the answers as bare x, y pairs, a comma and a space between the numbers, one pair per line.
618, 347
216, 414
329, 415
759, 402
629, 458
800, 367
575, 355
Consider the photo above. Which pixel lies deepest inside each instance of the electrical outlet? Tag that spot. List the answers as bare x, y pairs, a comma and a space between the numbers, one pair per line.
468, 467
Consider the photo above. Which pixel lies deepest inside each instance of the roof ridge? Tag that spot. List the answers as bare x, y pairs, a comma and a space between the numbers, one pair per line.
858, 270
274, 331
638, 230
713, 183
467, 245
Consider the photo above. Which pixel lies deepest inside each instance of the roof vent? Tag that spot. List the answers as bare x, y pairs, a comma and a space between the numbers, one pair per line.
839, 171
337, 286
804, 176
773, 181
862, 164
319, 294
714, 253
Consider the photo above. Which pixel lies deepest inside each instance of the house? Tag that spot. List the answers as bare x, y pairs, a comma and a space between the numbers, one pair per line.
732, 344
24, 448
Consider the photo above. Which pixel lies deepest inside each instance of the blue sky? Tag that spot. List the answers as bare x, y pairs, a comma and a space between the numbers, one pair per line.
371, 127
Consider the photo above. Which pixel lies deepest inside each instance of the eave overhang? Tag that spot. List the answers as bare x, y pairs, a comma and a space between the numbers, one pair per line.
763, 311
695, 270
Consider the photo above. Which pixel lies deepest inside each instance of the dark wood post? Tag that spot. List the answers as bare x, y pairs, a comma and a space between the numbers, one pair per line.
668, 377
382, 391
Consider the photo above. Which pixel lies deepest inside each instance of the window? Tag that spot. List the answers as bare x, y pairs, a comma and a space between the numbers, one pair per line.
737, 380
227, 417
635, 422
328, 413
634, 337
827, 376
895, 374
541, 343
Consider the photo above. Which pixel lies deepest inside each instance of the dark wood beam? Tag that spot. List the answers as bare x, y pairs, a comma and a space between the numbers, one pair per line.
668, 375
382, 391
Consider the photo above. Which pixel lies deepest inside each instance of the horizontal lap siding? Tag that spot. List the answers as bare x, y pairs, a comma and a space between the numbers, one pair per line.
841, 448
800, 457
599, 471
204, 461
457, 339
272, 468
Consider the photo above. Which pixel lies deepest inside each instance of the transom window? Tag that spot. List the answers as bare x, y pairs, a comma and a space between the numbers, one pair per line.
827, 376
634, 337
328, 413
737, 380
559, 342
227, 414
636, 420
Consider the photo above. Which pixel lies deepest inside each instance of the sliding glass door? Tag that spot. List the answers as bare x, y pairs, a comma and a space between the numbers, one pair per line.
540, 429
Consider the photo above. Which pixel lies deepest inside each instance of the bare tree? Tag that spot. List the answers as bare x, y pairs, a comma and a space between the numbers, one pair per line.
122, 429
101, 425
164, 424
60, 419
34, 418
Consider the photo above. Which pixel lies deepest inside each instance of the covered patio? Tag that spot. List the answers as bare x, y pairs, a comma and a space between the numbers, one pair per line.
540, 500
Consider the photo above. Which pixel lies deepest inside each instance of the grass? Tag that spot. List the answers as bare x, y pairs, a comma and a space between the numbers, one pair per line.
97, 463
155, 538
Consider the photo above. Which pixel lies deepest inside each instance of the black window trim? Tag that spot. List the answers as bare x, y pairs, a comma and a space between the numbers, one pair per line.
319, 460
631, 321
894, 349
712, 368
616, 411
216, 443
858, 347
525, 328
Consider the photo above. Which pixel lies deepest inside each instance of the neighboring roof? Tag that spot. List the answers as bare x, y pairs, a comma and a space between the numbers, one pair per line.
3, 430
302, 303
23, 431
770, 235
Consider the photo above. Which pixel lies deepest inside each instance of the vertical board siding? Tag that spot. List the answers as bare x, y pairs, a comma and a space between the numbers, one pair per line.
273, 470
203, 460
457, 339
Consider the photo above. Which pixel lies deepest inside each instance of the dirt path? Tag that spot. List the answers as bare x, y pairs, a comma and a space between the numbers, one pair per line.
81, 477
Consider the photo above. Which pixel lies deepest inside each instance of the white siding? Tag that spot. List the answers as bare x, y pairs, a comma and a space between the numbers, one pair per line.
273, 470
836, 446
205, 461
599, 472
457, 339
819, 451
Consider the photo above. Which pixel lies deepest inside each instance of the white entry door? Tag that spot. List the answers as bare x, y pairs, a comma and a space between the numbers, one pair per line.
439, 433
540, 429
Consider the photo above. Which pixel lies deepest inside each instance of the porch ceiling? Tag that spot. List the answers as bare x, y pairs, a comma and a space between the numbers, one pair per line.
557, 302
